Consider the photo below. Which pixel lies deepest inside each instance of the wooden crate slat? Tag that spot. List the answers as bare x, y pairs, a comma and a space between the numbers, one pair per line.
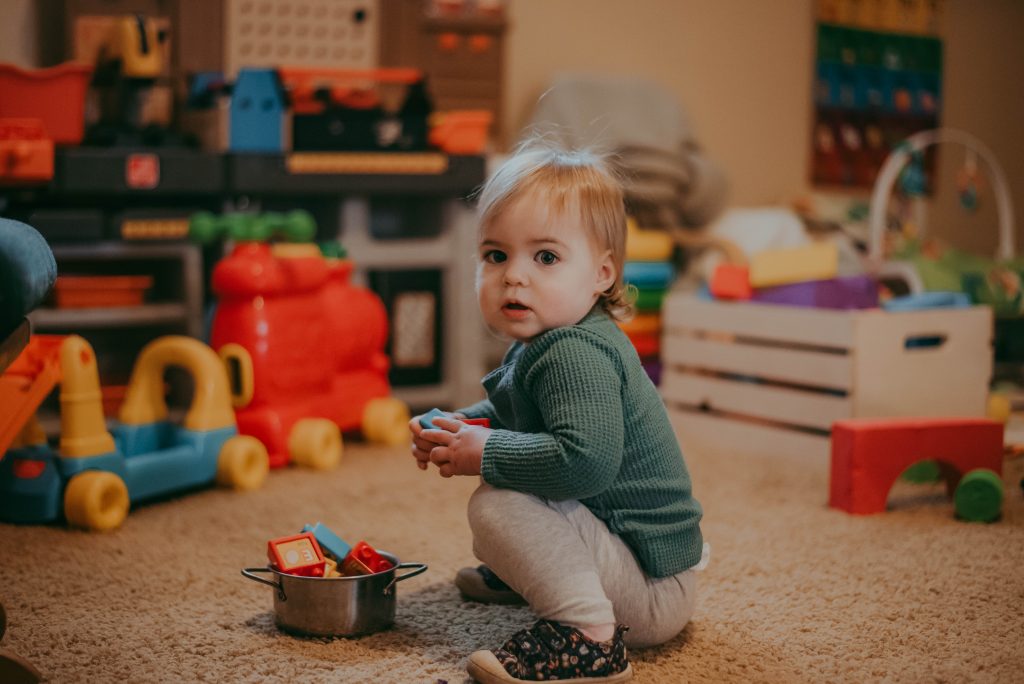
718, 435
817, 369
810, 409
811, 327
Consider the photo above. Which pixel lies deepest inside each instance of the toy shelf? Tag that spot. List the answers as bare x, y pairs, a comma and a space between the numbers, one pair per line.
145, 171
367, 173
773, 379
110, 317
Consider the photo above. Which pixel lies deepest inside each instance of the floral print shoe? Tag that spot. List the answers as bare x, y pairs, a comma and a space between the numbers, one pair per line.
552, 651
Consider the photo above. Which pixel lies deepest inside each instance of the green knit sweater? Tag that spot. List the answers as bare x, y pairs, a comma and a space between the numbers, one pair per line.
576, 417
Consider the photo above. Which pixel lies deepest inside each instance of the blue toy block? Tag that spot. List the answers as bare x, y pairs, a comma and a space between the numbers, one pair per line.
257, 112
928, 300
329, 542
649, 274
429, 416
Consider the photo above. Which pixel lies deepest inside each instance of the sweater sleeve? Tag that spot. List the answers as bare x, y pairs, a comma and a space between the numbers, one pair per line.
481, 409
576, 386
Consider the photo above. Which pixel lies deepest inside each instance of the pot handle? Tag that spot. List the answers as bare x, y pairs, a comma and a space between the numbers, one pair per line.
248, 574
420, 568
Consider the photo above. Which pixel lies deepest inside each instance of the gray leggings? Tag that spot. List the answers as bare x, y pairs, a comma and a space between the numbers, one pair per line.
570, 568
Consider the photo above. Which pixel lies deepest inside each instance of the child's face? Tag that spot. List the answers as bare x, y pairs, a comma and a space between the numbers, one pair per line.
537, 272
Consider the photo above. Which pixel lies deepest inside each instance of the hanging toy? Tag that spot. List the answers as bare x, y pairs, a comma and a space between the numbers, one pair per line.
913, 181
967, 182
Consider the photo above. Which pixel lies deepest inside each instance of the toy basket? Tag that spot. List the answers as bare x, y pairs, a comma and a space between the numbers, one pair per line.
773, 379
55, 96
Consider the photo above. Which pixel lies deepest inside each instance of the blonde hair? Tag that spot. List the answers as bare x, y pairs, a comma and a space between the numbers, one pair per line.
566, 179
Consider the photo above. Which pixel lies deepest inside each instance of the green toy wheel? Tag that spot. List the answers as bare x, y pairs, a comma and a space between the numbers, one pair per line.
922, 472
979, 496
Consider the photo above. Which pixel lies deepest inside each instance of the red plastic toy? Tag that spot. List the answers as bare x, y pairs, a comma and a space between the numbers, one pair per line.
301, 342
298, 554
869, 454
363, 559
731, 281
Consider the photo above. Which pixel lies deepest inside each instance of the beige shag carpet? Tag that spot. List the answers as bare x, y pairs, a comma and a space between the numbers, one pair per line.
795, 592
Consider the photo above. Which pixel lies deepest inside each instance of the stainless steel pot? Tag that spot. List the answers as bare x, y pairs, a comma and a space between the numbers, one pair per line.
335, 606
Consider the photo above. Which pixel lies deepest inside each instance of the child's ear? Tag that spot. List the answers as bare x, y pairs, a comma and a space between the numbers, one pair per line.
606, 272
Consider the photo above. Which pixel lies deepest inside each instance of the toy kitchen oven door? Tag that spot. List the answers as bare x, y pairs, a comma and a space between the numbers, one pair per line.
413, 300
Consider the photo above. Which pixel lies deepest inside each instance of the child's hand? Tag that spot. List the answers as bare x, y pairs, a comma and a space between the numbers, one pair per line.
459, 447
421, 446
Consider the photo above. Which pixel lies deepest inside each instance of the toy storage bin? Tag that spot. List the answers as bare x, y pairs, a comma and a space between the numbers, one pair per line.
773, 379
85, 292
55, 96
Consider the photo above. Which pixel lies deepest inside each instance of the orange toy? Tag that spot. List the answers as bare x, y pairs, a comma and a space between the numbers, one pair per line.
26, 383
298, 554
869, 454
731, 281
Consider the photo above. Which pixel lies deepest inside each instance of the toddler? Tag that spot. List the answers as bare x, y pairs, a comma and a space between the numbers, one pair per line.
585, 510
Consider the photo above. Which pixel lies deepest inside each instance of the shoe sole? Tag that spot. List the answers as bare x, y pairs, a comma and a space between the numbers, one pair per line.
473, 588
490, 671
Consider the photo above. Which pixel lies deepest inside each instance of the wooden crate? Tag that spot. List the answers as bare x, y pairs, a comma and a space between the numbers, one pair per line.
773, 379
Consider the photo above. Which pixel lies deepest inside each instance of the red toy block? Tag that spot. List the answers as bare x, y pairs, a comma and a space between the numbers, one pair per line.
869, 454
485, 422
731, 281
298, 554
363, 559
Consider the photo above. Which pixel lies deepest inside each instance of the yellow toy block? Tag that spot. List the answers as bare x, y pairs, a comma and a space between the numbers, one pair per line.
330, 568
647, 245
818, 261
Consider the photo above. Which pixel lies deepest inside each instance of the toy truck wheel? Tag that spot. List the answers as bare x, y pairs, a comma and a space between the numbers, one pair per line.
315, 443
96, 500
979, 496
242, 463
386, 420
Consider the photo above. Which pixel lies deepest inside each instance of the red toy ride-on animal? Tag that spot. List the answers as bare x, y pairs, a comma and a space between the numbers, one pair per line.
304, 350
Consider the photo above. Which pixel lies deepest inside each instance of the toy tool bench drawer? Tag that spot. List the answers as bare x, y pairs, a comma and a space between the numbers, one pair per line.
774, 378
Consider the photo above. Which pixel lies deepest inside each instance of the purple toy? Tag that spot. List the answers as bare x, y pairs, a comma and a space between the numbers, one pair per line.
852, 292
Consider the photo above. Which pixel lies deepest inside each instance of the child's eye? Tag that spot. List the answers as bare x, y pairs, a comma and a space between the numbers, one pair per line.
546, 257
494, 256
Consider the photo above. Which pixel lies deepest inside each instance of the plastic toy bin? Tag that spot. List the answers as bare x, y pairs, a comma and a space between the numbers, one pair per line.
773, 379
84, 292
55, 96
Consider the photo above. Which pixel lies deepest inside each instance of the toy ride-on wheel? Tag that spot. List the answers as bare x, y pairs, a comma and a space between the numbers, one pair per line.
243, 463
96, 500
315, 443
386, 420
979, 496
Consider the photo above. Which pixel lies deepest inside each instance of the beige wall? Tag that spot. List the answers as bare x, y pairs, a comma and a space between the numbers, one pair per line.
743, 70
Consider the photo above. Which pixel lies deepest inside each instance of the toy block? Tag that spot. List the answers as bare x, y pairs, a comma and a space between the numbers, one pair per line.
649, 274
364, 560
868, 455
331, 544
853, 292
298, 554
429, 416
330, 568
484, 422
818, 261
642, 324
647, 245
731, 281
928, 300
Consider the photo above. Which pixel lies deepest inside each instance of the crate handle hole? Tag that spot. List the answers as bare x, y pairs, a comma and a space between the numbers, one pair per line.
914, 342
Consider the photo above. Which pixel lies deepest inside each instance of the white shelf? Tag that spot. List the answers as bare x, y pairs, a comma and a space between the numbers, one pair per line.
126, 316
